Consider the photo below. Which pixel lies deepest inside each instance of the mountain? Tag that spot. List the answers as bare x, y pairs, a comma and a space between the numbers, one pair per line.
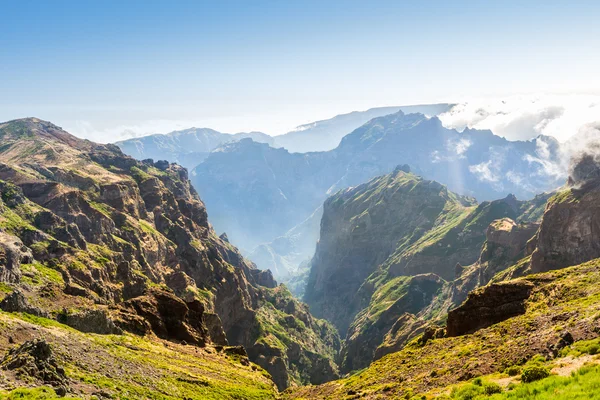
532, 308
258, 194
188, 147
94, 242
326, 135
387, 248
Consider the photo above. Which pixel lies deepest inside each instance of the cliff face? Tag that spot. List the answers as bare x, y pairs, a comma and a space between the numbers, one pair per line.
502, 324
362, 227
570, 230
94, 238
567, 235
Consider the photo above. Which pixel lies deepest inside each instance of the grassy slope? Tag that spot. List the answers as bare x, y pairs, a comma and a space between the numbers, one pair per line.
130, 367
566, 300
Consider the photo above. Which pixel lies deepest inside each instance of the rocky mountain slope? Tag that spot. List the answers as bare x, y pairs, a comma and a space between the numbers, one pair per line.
258, 194
388, 249
555, 318
188, 147
502, 325
106, 244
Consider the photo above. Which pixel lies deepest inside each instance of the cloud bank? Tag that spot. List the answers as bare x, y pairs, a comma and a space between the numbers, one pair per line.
526, 117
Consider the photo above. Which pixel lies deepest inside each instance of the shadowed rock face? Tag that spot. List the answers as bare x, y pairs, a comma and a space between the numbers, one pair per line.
128, 244
12, 253
570, 230
487, 306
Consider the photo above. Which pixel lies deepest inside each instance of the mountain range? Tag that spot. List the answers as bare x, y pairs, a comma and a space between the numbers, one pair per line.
114, 284
264, 197
189, 147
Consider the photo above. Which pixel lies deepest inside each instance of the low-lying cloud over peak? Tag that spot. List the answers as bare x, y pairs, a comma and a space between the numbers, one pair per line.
526, 117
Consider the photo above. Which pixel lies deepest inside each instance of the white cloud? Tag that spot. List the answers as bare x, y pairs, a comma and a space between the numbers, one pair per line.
525, 117
459, 146
484, 171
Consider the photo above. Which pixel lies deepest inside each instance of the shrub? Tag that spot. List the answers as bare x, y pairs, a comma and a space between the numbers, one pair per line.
468, 392
491, 388
513, 370
534, 373
593, 349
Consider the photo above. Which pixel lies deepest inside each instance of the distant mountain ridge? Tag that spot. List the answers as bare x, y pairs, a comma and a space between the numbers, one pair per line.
257, 193
189, 147
326, 134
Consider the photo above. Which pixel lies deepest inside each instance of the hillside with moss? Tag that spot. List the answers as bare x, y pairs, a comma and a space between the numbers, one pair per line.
389, 253
560, 309
108, 245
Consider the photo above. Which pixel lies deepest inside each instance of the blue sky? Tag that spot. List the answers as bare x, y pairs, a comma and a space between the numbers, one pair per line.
98, 68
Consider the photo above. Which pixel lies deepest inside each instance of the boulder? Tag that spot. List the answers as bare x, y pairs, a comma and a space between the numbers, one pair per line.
17, 302
93, 321
35, 359
12, 254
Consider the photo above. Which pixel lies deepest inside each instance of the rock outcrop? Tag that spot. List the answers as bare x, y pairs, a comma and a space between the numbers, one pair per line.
35, 360
12, 254
570, 230
489, 305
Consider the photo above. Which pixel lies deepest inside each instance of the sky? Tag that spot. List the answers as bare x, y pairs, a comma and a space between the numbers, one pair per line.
112, 69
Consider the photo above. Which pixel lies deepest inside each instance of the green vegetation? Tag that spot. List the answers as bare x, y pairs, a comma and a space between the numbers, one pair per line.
477, 389
37, 274
13, 223
5, 288
41, 393
155, 369
564, 196
582, 384
101, 207
386, 295
138, 174
148, 228
534, 373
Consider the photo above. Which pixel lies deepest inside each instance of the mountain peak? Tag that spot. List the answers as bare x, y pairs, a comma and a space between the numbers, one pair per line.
35, 128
